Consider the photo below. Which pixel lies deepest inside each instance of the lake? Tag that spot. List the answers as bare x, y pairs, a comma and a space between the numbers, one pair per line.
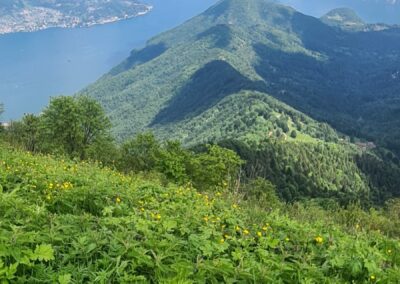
36, 66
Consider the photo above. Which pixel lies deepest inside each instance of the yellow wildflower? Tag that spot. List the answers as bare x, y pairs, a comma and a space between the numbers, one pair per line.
259, 234
118, 200
246, 232
372, 277
319, 240
222, 241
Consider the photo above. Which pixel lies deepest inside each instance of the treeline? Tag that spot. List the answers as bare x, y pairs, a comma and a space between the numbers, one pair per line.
321, 170
78, 128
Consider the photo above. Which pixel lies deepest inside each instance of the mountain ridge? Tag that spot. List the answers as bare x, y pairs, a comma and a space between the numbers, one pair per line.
270, 38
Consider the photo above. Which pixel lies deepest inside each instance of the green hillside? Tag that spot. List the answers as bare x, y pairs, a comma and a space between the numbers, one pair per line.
273, 78
77, 222
348, 79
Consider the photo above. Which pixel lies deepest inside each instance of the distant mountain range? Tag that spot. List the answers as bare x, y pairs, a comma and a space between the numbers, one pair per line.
33, 15
373, 11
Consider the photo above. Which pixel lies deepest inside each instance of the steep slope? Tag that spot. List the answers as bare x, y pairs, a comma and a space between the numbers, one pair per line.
69, 222
347, 79
255, 71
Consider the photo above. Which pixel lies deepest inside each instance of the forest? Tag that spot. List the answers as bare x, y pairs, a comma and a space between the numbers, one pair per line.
238, 49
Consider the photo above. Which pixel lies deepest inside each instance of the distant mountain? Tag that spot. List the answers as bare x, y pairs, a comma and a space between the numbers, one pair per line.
344, 17
373, 11
349, 20
33, 15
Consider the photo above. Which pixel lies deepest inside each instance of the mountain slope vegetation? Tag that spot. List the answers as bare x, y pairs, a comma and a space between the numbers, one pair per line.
72, 222
266, 75
348, 79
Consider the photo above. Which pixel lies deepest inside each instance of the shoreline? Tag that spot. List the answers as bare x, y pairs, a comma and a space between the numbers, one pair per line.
104, 21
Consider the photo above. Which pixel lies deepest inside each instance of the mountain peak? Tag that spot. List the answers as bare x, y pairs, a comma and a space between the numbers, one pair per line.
248, 12
344, 18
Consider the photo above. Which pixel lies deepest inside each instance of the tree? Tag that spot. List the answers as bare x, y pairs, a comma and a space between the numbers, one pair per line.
72, 125
216, 167
94, 123
25, 133
140, 154
174, 161
293, 134
262, 191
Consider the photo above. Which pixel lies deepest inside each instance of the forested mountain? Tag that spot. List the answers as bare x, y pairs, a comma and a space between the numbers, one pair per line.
255, 72
348, 79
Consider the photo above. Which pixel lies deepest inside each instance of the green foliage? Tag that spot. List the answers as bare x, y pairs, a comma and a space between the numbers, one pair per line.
183, 77
78, 222
274, 81
263, 192
217, 166
25, 132
140, 154
206, 170
73, 124
76, 127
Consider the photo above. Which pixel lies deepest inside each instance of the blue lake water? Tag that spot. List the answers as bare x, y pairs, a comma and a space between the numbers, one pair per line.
36, 66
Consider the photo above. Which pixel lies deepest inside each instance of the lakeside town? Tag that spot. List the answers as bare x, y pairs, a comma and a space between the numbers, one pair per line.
22, 17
